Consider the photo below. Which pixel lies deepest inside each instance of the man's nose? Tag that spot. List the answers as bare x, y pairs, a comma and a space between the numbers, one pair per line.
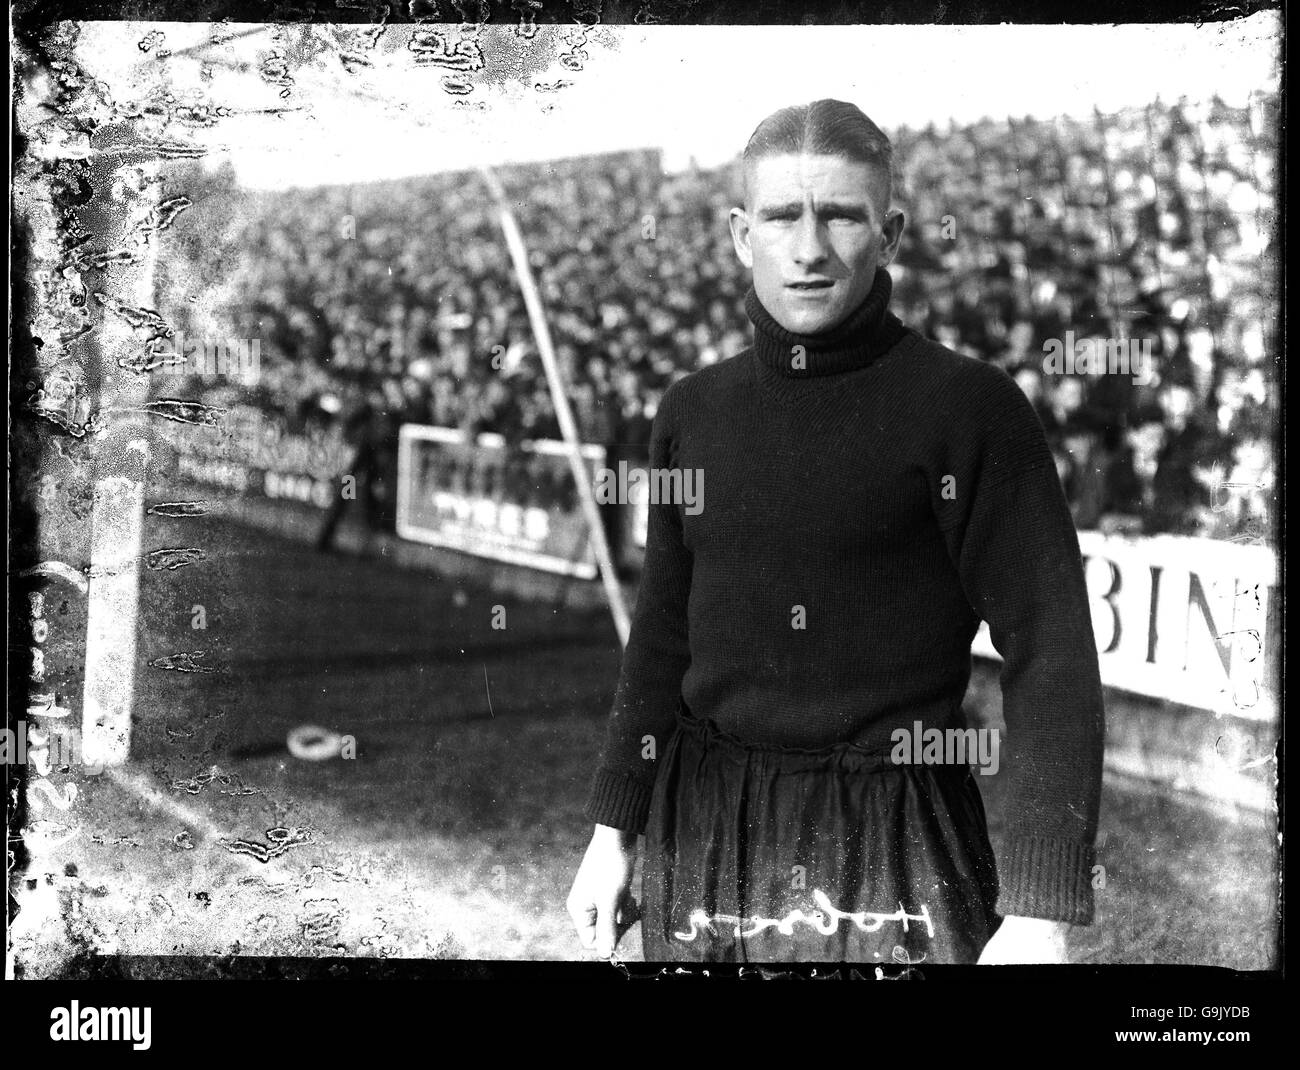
810, 242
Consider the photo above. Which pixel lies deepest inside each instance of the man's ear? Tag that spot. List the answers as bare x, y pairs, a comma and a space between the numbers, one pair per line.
891, 236
740, 236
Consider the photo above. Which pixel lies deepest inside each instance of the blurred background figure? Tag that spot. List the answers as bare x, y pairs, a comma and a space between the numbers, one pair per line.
368, 477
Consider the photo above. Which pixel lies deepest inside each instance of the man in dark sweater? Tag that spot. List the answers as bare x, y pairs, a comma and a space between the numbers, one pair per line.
871, 497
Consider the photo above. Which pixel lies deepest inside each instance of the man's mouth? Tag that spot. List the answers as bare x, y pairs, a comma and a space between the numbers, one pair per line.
809, 285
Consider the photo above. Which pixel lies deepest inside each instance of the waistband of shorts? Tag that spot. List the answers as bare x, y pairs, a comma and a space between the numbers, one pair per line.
853, 756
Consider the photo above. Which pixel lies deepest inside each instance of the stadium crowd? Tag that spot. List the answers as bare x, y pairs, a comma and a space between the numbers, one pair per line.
396, 302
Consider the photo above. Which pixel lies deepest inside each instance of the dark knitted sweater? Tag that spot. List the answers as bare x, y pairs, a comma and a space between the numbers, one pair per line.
824, 488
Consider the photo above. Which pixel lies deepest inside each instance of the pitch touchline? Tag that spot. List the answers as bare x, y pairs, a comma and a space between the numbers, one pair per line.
140, 787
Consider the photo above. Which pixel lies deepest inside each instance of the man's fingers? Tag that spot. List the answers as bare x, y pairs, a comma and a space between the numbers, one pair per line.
584, 920
607, 933
629, 914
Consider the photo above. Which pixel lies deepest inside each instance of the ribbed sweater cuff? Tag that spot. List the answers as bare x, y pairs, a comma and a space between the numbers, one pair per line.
1046, 877
618, 801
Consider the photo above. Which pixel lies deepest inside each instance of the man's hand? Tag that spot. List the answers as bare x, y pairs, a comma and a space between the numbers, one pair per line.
1019, 941
600, 902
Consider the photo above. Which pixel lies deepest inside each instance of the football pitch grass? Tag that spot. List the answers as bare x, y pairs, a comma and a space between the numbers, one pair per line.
456, 829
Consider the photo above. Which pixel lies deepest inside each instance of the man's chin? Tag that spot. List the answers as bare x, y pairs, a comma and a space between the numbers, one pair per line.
809, 320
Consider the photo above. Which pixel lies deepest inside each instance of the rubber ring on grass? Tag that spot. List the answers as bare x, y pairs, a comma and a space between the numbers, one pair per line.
314, 744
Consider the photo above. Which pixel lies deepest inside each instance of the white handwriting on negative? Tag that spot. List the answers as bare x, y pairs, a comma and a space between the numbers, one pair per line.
826, 920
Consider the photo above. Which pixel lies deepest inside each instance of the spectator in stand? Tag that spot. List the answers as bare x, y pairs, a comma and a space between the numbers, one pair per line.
1149, 224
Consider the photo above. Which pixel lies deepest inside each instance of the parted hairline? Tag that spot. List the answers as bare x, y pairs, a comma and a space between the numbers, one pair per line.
824, 127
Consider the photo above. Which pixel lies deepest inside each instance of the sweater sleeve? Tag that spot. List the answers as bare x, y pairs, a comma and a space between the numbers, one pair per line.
656, 658
1010, 535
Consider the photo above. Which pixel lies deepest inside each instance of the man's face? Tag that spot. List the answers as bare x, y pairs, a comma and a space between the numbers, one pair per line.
814, 229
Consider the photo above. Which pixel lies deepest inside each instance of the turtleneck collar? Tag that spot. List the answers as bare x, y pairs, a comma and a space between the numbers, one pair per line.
869, 331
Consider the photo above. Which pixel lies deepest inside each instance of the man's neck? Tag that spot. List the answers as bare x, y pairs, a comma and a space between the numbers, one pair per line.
866, 333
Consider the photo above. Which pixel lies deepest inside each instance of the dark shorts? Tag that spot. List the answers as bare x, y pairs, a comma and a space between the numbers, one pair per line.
766, 854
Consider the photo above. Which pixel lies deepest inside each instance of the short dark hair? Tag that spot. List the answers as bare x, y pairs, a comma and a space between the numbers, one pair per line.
823, 128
